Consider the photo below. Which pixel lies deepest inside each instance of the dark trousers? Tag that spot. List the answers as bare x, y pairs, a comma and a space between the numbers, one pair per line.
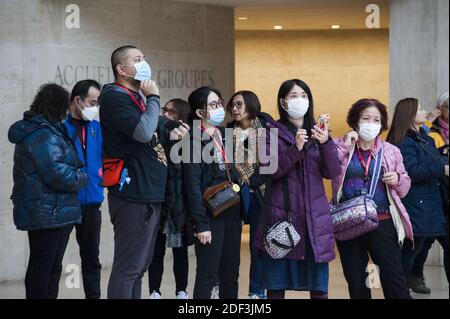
47, 248
220, 259
88, 238
135, 229
421, 257
255, 260
382, 246
409, 254
180, 266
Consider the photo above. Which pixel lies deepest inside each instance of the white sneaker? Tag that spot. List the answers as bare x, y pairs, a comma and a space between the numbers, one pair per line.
215, 293
155, 295
182, 295
255, 296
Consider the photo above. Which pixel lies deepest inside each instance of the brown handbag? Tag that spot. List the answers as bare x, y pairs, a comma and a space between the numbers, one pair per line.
220, 197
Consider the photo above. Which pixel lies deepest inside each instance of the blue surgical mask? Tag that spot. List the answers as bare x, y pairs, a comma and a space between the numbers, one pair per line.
216, 117
143, 71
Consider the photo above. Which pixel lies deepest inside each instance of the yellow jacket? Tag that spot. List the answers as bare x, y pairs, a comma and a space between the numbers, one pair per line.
435, 135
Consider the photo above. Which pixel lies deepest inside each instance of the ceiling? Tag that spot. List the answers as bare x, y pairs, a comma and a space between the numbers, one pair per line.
301, 14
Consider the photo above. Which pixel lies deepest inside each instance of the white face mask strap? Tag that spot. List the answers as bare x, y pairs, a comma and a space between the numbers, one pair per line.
78, 106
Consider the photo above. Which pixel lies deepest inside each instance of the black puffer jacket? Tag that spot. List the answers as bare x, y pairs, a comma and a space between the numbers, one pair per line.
46, 175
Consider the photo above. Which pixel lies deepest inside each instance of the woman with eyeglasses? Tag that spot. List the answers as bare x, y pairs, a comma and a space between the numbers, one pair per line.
248, 120
176, 230
218, 239
425, 166
296, 194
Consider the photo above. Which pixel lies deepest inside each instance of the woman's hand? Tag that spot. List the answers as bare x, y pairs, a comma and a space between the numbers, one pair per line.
301, 138
321, 135
204, 237
179, 132
351, 138
434, 114
391, 178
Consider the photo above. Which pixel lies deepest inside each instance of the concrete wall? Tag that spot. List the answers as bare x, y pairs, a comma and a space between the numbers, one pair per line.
188, 45
420, 58
339, 66
419, 51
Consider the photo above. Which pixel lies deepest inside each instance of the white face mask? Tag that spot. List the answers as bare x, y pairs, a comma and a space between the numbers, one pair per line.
89, 113
297, 108
143, 71
369, 131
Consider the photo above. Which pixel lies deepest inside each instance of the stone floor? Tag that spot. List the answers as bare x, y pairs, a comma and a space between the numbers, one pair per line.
435, 277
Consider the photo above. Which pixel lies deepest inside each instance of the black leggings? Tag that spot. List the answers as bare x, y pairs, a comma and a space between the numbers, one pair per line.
47, 248
180, 266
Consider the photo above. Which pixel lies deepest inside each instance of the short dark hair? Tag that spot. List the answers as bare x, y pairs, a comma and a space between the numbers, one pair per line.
354, 114
252, 104
81, 89
284, 90
198, 100
118, 56
182, 108
52, 101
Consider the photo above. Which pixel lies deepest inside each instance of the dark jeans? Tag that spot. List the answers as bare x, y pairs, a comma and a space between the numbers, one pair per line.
180, 266
421, 257
88, 238
135, 229
47, 248
382, 246
255, 261
409, 254
220, 259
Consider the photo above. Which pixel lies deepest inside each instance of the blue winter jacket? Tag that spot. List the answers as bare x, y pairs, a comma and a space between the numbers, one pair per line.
425, 166
92, 160
46, 174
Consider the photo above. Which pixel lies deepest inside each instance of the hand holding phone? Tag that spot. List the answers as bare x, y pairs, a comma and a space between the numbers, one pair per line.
323, 121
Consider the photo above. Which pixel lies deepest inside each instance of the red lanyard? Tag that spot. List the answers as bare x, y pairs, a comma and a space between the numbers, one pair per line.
366, 166
219, 146
140, 104
83, 136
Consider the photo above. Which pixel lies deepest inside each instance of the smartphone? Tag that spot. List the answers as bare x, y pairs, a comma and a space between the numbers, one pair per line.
323, 119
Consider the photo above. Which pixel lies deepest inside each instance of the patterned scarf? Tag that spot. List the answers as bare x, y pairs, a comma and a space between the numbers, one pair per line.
247, 159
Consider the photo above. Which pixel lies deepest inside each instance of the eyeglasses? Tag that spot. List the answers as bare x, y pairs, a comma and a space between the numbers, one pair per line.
216, 104
237, 104
168, 111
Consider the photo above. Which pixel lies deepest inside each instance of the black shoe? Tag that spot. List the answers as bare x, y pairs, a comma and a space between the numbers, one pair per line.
417, 284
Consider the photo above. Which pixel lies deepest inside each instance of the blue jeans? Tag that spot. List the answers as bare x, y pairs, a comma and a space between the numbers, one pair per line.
255, 262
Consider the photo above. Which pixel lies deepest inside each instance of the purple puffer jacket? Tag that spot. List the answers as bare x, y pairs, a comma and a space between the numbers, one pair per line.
315, 162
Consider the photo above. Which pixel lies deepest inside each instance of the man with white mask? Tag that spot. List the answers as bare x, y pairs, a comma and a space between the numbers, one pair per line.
135, 167
86, 134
